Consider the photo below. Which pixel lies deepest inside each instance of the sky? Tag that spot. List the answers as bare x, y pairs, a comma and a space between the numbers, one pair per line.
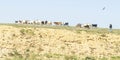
72, 11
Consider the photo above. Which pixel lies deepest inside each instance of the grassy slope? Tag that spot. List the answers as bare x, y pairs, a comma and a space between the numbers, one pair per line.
66, 57
71, 28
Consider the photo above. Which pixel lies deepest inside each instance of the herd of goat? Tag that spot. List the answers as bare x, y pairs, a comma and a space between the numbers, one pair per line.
38, 22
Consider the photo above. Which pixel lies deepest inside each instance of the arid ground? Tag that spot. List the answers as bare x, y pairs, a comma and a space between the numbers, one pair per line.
58, 43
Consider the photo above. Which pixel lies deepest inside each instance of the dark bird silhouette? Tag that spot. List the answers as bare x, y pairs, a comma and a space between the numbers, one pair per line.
103, 8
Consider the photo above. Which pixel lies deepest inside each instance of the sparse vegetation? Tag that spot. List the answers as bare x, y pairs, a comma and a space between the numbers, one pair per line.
50, 55
115, 58
27, 31
67, 57
89, 58
33, 42
103, 58
103, 35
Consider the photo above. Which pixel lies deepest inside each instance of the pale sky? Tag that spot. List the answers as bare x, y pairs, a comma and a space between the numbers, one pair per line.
72, 11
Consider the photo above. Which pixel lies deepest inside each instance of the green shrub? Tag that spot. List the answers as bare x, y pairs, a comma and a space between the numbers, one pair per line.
22, 31
71, 57
50, 55
89, 58
27, 32
103, 35
115, 58
103, 58
27, 56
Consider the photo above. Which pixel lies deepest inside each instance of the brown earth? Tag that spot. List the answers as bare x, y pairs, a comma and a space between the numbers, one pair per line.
43, 41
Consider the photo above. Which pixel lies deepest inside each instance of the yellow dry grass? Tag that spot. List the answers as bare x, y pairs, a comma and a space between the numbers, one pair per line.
56, 44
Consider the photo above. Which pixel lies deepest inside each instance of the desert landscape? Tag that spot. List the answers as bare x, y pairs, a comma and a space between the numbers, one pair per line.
27, 42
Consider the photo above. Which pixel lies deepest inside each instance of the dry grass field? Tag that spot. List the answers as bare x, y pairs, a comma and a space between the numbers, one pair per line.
33, 42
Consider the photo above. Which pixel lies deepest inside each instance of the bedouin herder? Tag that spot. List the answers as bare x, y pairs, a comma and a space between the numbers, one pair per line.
110, 27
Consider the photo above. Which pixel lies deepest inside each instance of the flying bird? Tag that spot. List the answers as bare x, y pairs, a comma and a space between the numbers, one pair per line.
103, 8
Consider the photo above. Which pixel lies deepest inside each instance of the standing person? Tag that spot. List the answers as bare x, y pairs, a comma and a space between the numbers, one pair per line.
110, 27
